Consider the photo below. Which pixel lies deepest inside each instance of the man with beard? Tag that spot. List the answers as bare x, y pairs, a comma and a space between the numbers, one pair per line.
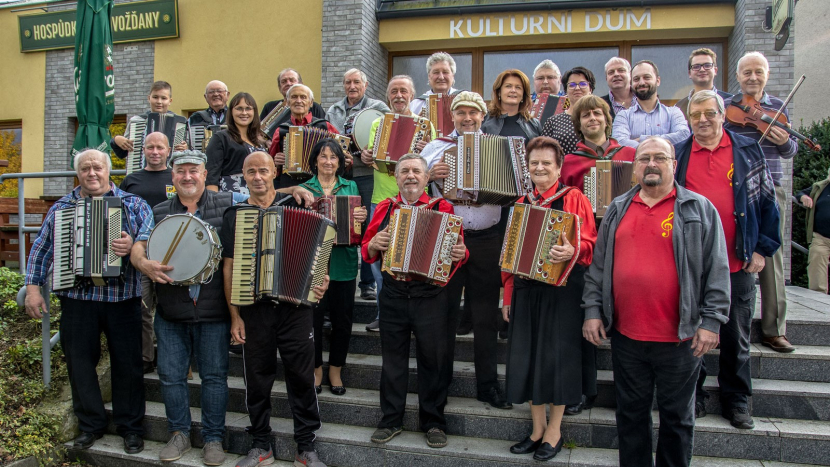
659, 282
648, 116
618, 76
703, 67
287, 78
216, 96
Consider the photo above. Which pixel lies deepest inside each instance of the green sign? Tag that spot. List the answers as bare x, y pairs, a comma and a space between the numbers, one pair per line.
130, 22
782, 13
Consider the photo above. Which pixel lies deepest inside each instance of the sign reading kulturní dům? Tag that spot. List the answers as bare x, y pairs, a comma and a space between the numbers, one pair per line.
130, 22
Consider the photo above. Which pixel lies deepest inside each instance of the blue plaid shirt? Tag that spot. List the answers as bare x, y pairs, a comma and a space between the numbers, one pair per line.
137, 213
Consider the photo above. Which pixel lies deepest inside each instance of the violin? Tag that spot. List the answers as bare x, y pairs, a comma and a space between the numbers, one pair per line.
746, 111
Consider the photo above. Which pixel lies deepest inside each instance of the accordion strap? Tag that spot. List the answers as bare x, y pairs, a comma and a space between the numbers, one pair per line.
538, 201
608, 155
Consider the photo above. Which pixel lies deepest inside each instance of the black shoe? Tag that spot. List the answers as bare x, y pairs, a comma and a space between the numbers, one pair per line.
494, 397
338, 390
374, 326
526, 446
547, 452
700, 409
133, 444
318, 389
741, 418
368, 293
85, 440
464, 329
576, 409
149, 367
589, 402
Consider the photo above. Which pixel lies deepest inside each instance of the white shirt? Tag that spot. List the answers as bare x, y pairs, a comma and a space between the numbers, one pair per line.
474, 217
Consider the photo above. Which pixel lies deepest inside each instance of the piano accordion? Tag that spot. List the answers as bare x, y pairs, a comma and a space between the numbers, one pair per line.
421, 244
606, 181
82, 243
299, 141
280, 255
340, 210
486, 169
269, 124
200, 135
546, 106
172, 125
531, 232
397, 135
437, 110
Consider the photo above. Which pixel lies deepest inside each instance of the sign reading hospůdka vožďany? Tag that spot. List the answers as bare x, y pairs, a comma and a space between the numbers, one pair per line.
130, 22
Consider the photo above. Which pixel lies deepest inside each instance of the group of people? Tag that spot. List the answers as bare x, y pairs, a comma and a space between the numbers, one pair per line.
667, 274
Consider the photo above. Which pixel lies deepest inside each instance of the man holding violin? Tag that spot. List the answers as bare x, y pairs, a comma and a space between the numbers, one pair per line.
753, 72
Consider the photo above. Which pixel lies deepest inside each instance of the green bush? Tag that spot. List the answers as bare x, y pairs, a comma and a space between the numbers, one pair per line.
809, 167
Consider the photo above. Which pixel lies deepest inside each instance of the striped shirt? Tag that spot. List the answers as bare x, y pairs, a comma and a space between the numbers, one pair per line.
634, 122
136, 212
773, 153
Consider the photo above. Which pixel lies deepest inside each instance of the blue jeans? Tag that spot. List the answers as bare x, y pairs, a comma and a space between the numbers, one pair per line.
376, 266
177, 343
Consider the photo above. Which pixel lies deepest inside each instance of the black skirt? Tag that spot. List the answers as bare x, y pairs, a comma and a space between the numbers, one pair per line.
544, 356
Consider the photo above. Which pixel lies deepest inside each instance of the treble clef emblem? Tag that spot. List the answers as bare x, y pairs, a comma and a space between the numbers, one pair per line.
667, 225
730, 173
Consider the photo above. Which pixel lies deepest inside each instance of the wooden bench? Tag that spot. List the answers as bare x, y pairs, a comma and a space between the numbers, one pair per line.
9, 250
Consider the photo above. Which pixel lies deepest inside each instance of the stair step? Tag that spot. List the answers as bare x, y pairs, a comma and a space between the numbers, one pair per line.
340, 444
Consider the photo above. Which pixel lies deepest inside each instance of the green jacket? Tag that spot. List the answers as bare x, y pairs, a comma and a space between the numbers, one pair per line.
343, 263
815, 192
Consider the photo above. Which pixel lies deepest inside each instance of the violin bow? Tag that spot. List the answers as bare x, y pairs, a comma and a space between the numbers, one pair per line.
783, 106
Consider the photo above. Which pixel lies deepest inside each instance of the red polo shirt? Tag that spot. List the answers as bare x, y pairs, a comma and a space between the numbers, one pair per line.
710, 174
646, 286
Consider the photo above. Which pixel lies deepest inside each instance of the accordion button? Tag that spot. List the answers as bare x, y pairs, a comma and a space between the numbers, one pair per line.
539, 270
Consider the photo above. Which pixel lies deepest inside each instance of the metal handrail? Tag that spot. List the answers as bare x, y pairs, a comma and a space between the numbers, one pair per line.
48, 340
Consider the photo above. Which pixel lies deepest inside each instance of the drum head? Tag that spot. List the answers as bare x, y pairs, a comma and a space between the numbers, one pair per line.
362, 127
190, 249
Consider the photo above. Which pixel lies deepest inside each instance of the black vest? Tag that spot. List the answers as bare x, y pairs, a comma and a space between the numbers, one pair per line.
174, 302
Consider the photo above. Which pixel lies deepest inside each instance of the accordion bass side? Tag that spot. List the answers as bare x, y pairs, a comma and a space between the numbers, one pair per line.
172, 125
200, 135
420, 246
531, 232
487, 169
83, 238
398, 135
299, 141
606, 181
340, 210
438, 110
271, 121
280, 255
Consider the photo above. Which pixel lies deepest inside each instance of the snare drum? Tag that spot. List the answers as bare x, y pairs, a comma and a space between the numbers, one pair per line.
188, 244
359, 126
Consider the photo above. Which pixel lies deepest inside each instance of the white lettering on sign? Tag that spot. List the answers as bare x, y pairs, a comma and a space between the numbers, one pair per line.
551, 23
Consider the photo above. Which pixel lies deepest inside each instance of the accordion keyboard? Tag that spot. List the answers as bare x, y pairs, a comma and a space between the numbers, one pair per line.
136, 135
63, 271
244, 253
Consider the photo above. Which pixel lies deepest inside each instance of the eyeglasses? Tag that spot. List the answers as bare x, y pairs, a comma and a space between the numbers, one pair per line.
710, 114
705, 66
581, 84
215, 92
659, 160
244, 109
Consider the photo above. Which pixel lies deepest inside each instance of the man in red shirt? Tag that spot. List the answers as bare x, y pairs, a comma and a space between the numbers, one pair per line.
408, 307
669, 297
731, 171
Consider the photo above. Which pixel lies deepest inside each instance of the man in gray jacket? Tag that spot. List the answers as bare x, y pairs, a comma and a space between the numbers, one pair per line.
659, 283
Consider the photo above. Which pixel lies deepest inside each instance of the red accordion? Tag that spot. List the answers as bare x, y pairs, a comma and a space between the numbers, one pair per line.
340, 210
438, 110
397, 135
546, 106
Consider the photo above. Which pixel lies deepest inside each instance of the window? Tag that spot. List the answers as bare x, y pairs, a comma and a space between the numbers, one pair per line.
416, 67
673, 63
11, 149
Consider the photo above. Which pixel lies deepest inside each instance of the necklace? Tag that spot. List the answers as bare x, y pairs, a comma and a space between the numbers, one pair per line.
330, 185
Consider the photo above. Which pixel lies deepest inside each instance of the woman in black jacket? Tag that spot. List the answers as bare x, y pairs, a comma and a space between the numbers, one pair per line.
228, 148
509, 109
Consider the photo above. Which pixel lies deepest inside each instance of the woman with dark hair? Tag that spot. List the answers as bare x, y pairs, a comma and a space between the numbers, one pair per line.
578, 82
228, 148
327, 162
544, 364
509, 109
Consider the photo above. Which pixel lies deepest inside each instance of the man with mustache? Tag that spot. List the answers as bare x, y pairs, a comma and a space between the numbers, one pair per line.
285, 79
618, 76
648, 116
703, 67
659, 283
753, 73
731, 171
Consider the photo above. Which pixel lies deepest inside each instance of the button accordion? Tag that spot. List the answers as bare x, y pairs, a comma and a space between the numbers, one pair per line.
531, 232
486, 169
438, 110
299, 141
200, 135
546, 106
280, 255
398, 135
83, 238
420, 245
606, 181
340, 210
172, 125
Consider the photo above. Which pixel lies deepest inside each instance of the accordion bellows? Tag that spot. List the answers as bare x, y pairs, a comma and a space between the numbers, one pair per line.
606, 181
280, 255
340, 210
397, 135
438, 110
487, 169
421, 244
299, 142
531, 232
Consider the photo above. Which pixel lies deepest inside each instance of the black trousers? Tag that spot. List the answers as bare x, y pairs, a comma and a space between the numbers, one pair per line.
338, 303
289, 329
638, 365
479, 279
365, 186
81, 325
735, 376
399, 318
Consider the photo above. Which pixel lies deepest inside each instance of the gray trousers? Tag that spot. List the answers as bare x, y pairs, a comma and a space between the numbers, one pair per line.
773, 295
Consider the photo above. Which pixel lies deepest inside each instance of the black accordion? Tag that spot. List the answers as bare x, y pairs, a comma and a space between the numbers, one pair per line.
82, 243
199, 135
172, 125
280, 255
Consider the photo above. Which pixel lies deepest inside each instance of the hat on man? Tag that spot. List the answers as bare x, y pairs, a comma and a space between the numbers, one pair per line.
469, 99
187, 157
